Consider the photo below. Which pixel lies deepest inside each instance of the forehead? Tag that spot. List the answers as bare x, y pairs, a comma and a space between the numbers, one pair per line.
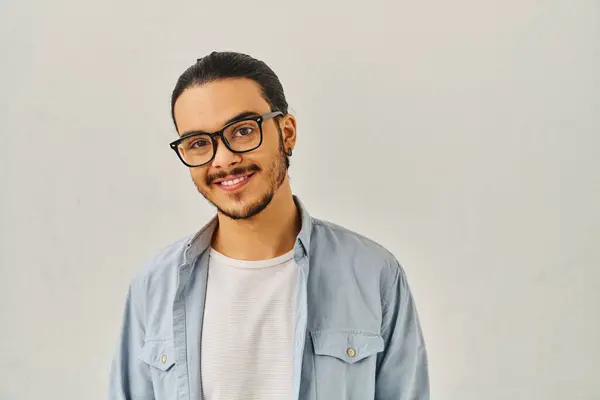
210, 106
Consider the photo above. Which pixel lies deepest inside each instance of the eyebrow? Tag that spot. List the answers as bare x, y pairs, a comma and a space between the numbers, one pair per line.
237, 117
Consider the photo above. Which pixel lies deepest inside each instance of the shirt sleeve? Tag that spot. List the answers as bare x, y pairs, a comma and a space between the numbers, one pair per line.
129, 376
402, 371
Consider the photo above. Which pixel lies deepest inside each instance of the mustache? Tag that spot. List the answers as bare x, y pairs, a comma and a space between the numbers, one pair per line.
236, 171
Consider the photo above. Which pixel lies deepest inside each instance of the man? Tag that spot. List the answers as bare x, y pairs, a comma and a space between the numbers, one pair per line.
264, 302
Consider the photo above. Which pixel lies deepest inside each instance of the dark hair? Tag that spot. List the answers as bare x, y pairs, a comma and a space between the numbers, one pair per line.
224, 65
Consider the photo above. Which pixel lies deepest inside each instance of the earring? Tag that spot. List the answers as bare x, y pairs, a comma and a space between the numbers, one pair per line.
289, 152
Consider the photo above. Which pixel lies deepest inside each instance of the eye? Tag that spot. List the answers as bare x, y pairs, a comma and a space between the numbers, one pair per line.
200, 143
243, 131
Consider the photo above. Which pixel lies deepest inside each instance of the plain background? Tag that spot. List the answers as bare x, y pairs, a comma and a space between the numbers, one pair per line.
463, 136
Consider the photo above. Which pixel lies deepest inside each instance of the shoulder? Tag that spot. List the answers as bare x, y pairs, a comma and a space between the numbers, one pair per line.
341, 253
352, 245
162, 263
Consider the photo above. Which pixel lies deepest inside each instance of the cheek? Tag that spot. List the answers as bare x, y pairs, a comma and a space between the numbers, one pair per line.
198, 176
266, 153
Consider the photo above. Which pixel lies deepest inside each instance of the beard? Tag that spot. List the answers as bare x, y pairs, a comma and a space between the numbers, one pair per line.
276, 175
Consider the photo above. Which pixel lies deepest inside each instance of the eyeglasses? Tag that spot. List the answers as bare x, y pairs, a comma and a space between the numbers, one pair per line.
195, 149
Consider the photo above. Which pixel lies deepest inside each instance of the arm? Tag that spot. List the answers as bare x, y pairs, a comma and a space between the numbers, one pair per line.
402, 372
129, 376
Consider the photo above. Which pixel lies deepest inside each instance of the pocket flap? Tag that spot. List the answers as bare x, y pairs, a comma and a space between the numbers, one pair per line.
349, 346
159, 354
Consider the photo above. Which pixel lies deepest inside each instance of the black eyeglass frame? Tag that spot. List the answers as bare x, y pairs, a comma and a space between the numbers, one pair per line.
259, 120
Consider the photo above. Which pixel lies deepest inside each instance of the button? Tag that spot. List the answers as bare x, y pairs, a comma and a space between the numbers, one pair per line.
351, 352
164, 359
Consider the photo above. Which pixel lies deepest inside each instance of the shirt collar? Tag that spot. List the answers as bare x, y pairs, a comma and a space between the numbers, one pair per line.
199, 242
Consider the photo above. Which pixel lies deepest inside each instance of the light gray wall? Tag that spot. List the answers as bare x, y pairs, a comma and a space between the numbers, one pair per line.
463, 136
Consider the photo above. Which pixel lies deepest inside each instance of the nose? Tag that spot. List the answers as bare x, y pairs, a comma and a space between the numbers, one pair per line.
224, 157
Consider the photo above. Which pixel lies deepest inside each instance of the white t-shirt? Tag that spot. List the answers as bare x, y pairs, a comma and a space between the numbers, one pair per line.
247, 329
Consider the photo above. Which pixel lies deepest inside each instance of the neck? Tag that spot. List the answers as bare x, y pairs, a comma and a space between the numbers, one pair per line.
268, 234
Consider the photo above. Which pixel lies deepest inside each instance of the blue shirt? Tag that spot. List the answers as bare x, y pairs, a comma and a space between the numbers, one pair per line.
356, 329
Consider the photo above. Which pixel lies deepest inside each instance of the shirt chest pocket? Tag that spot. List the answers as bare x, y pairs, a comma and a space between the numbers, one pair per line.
160, 357
345, 363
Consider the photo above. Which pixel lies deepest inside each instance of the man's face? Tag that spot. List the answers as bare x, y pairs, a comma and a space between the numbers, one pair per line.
240, 185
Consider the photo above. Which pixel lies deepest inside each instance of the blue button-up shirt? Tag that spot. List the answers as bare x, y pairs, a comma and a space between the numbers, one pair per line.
356, 329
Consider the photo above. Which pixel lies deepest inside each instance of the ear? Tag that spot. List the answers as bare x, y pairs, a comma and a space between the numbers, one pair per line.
288, 130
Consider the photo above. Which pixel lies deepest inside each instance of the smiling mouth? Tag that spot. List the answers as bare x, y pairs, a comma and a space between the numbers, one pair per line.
234, 183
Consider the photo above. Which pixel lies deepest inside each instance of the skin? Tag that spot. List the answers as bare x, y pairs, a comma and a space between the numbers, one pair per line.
259, 220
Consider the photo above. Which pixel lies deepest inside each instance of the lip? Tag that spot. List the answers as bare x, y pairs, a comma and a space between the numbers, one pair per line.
237, 185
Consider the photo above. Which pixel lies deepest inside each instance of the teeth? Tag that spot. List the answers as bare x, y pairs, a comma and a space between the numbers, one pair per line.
233, 181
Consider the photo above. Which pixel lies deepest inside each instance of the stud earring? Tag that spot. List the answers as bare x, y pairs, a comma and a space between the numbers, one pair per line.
289, 152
